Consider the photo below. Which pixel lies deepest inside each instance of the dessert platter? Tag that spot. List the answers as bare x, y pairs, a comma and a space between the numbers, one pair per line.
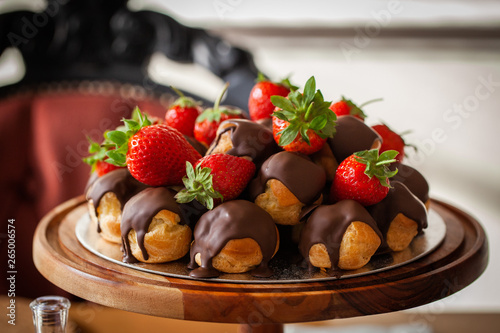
285, 268
301, 213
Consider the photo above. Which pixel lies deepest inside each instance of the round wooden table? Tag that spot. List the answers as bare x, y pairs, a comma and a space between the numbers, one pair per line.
456, 263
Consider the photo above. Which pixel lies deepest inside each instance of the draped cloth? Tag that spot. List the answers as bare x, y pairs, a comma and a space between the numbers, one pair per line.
43, 138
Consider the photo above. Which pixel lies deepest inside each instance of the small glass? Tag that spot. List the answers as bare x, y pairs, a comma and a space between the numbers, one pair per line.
50, 314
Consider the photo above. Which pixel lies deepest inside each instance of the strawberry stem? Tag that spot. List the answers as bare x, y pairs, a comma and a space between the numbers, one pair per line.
219, 99
177, 91
370, 101
308, 112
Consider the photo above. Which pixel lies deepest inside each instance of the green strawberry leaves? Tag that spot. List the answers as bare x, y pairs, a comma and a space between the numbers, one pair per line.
198, 185
98, 153
377, 165
304, 111
118, 140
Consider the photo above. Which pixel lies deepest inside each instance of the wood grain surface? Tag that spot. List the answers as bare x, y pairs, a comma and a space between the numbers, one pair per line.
456, 263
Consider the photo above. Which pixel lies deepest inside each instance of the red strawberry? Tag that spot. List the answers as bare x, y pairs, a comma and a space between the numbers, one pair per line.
299, 144
182, 114
259, 101
302, 122
217, 177
97, 158
391, 140
103, 167
364, 177
346, 107
205, 128
154, 154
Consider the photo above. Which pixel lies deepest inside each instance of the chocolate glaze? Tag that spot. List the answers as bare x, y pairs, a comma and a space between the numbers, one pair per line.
248, 139
93, 177
120, 182
352, 135
139, 212
236, 219
327, 225
412, 179
398, 200
297, 172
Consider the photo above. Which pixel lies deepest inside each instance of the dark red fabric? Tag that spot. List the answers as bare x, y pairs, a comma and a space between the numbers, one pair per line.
42, 143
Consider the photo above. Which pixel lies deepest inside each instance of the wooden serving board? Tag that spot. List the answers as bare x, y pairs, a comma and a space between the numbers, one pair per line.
456, 263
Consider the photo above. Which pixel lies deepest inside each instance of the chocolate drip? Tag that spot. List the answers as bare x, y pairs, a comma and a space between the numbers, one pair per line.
398, 200
236, 219
296, 171
327, 225
139, 212
412, 179
352, 135
249, 139
120, 182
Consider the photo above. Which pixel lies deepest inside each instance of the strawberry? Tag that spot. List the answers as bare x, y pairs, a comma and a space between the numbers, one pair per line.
259, 101
103, 167
302, 122
298, 145
346, 107
216, 178
182, 114
391, 140
97, 158
364, 177
205, 128
154, 154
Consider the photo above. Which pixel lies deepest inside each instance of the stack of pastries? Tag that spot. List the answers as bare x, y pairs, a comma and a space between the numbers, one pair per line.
286, 205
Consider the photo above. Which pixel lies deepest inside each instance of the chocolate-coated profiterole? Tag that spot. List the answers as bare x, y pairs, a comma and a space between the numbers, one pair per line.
153, 228
286, 183
106, 197
400, 216
412, 179
242, 137
235, 237
342, 235
352, 135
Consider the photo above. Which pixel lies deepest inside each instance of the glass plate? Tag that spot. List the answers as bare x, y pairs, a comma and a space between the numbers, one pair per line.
287, 266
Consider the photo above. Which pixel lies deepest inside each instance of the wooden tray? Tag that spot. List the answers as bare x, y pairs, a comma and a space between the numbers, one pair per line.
456, 263
286, 265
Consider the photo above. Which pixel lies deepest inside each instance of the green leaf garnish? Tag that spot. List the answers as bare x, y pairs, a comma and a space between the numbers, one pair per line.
198, 185
377, 165
117, 137
304, 111
282, 102
98, 153
288, 134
